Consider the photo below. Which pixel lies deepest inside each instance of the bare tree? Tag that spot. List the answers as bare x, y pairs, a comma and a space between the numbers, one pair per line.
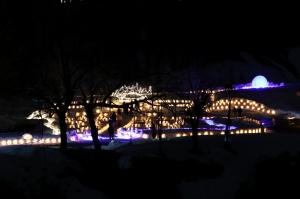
199, 94
95, 90
56, 89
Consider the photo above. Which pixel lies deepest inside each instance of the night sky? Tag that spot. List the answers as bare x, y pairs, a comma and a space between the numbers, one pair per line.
139, 36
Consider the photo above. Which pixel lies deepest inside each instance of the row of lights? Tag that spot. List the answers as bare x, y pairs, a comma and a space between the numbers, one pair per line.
210, 133
248, 119
240, 103
9, 142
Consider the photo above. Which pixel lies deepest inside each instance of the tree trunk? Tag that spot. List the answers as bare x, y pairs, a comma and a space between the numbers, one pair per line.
94, 129
195, 124
63, 131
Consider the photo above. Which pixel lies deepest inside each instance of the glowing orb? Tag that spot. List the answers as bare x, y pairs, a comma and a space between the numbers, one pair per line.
260, 82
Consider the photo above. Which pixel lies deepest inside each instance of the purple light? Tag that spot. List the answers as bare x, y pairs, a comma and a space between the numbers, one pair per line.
121, 135
258, 82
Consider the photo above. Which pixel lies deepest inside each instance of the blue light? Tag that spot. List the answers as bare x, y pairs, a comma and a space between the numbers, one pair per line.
260, 82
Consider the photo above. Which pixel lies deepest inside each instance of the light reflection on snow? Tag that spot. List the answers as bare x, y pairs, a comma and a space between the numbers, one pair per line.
222, 126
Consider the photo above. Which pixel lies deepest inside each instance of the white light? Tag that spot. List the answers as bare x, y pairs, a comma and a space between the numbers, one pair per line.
27, 136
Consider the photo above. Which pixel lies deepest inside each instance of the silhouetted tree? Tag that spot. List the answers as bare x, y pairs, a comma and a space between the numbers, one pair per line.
56, 88
96, 89
197, 92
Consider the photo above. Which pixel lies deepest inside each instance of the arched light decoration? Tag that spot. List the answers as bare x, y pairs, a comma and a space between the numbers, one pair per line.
260, 82
131, 93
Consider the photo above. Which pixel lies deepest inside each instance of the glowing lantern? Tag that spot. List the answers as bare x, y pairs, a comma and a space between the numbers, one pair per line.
27, 136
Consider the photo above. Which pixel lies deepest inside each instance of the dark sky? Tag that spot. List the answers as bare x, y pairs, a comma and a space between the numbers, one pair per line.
147, 35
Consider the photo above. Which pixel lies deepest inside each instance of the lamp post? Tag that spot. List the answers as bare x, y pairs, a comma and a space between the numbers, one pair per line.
228, 122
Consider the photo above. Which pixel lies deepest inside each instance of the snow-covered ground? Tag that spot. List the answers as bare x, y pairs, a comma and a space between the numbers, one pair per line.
32, 167
238, 165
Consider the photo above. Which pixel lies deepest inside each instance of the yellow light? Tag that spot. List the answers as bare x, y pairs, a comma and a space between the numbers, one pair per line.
15, 141
47, 140
3, 142
222, 133
21, 141
53, 140
178, 135
163, 135
8, 142
205, 133
273, 112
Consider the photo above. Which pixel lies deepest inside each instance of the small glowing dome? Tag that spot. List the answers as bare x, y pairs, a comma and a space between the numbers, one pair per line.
260, 82
27, 136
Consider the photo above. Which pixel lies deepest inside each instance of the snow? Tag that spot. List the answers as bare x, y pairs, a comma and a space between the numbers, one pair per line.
31, 168
239, 165
24, 166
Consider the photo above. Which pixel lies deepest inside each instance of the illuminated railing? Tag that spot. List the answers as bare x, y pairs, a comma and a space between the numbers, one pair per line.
243, 104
